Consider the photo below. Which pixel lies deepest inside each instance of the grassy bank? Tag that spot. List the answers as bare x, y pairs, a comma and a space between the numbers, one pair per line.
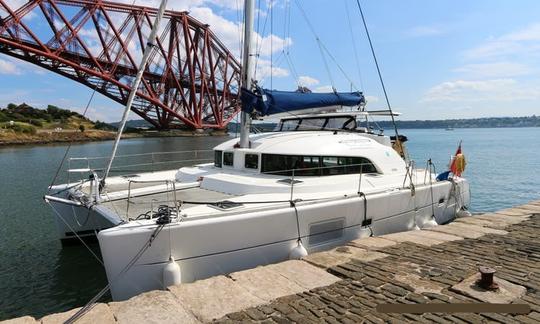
23, 124
9, 137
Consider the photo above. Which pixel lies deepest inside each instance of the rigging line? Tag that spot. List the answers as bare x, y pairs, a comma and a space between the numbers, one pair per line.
326, 65
86, 308
71, 142
380, 76
286, 37
258, 47
240, 40
319, 43
355, 50
74, 232
293, 70
288, 22
339, 67
287, 4
271, 43
257, 28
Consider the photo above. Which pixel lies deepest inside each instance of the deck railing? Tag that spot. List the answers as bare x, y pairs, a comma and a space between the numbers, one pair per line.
149, 162
136, 163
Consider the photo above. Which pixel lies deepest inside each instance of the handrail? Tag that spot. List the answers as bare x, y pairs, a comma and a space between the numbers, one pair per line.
321, 168
138, 154
153, 158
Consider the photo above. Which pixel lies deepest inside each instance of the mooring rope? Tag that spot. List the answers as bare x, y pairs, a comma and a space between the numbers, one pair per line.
130, 264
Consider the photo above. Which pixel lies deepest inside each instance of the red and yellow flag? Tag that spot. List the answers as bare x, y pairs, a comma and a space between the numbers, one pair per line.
457, 166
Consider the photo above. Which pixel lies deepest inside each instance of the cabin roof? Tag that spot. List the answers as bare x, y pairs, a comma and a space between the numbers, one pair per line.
308, 143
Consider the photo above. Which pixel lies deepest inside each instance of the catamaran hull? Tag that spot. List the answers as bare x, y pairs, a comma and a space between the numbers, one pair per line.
224, 244
80, 222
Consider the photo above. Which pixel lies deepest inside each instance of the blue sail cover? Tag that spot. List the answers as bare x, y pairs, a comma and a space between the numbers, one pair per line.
268, 102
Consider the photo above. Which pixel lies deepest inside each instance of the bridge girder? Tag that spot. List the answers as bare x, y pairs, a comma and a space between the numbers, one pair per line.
191, 79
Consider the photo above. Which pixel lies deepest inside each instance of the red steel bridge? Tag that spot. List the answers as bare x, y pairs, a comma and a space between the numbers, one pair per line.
191, 79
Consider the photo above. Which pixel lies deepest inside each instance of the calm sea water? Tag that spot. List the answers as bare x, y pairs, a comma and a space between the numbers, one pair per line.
38, 276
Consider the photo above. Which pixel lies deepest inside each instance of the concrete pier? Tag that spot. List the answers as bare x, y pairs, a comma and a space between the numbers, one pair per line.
349, 284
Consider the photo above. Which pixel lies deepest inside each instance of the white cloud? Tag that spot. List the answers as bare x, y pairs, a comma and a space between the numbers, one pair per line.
307, 81
271, 44
424, 31
8, 67
228, 4
265, 70
521, 42
494, 70
230, 33
530, 33
481, 90
372, 99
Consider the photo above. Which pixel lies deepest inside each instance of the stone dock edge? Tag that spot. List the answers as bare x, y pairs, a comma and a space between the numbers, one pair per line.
348, 283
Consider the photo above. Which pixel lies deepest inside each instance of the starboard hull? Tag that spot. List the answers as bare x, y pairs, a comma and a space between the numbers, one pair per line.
219, 245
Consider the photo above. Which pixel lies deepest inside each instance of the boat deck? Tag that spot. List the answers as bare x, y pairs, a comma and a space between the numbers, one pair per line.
142, 204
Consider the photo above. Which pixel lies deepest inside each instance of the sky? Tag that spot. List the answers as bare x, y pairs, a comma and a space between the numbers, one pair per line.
439, 59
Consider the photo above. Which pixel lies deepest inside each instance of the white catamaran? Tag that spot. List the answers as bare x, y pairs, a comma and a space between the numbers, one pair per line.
315, 182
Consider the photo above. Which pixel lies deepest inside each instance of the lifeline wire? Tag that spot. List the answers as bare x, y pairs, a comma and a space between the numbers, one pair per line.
71, 142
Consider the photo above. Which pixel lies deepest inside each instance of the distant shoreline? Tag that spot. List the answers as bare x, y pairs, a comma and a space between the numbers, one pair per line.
52, 137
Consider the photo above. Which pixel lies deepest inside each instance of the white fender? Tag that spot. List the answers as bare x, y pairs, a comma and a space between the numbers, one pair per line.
171, 274
298, 252
429, 224
463, 213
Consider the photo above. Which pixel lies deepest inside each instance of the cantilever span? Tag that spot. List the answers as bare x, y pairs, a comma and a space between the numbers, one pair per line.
191, 79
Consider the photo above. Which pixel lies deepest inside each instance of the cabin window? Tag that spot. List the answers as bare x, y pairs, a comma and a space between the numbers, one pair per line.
312, 124
218, 158
333, 165
314, 165
284, 164
288, 125
251, 161
340, 123
228, 158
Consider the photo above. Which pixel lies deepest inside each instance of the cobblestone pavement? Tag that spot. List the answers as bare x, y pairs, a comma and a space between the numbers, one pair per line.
414, 273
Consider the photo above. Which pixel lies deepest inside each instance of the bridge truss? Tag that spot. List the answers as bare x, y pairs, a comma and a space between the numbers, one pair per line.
191, 80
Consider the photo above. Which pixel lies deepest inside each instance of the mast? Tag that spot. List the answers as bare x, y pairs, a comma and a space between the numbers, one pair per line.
149, 46
248, 68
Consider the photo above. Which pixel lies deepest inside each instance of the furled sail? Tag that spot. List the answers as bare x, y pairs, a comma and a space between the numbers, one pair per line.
269, 102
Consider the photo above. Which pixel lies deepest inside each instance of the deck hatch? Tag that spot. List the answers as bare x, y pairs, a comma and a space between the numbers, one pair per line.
226, 205
289, 181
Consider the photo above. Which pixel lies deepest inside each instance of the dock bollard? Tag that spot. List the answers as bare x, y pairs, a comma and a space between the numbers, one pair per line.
486, 279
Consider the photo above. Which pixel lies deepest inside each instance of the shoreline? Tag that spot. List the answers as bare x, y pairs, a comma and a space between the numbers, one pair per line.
50, 137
